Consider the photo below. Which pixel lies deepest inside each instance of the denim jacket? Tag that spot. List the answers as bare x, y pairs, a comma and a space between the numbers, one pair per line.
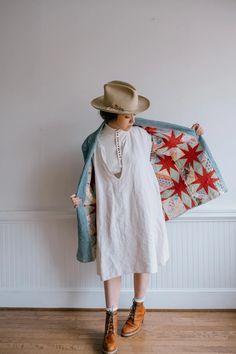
187, 173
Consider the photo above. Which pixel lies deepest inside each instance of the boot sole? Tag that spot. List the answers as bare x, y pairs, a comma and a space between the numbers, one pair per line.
114, 351
132, 333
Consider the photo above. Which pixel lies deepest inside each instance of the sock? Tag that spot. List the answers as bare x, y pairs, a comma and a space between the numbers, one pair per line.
113, 308
141, 299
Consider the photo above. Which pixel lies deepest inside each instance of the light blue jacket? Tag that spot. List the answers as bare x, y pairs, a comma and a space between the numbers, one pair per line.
193, 177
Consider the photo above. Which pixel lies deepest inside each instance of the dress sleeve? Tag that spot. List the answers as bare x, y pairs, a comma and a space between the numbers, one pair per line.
149, 139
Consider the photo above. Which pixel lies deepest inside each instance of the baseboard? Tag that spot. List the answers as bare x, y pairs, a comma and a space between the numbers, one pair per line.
94, 298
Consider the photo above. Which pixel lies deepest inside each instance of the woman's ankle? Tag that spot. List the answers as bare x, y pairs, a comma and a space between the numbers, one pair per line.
112, 308
139, 299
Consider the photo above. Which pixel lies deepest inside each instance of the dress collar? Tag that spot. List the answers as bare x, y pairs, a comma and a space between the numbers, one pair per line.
109, 130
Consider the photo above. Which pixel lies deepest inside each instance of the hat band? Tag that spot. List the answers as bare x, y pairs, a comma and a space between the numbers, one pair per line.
115, 106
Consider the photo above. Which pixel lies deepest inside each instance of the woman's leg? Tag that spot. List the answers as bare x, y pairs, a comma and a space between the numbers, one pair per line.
141, 282
112, 292
112, 295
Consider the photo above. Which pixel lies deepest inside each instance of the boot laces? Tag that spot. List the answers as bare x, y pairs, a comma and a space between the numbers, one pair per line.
132, 311
109, 323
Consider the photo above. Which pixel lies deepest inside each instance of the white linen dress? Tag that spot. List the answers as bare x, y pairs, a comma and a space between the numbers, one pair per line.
131, 229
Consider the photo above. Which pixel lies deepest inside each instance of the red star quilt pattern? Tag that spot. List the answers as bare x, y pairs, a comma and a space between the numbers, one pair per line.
187, 173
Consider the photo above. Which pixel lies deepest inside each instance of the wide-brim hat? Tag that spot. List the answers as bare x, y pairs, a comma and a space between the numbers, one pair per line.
120, 97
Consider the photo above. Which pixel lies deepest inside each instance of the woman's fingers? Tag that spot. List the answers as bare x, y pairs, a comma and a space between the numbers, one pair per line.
75, 200
198, 128
200, 131
195, 125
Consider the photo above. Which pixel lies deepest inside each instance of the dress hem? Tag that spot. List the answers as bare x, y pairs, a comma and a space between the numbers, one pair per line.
125, 273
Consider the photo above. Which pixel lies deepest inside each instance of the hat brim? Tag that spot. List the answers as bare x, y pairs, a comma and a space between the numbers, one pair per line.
98, 103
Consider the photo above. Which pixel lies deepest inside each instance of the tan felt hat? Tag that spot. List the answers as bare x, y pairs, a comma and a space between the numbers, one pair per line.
120, 97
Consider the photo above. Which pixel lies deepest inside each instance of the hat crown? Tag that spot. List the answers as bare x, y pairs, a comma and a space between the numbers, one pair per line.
120, 95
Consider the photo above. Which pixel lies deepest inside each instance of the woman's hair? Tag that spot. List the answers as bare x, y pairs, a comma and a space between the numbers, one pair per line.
108, 116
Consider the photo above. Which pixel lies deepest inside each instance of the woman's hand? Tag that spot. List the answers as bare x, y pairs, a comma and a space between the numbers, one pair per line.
198, 128
75, 200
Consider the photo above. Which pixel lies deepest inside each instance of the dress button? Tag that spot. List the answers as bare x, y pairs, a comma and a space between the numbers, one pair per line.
117, 140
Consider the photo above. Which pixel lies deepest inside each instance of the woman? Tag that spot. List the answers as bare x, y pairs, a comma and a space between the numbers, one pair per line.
131, 230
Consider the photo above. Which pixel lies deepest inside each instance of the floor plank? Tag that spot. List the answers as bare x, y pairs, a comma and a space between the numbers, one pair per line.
54, 331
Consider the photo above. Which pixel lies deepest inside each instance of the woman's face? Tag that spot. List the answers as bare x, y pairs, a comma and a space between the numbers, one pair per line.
123, 121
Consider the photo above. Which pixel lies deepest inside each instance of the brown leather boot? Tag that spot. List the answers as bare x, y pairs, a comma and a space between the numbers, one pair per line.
110, 334
135, 319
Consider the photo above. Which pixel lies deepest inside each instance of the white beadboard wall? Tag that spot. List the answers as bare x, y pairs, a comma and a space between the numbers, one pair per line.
56, 56
38, 266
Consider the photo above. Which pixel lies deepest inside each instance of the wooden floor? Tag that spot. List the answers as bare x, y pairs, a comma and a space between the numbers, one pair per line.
43, 331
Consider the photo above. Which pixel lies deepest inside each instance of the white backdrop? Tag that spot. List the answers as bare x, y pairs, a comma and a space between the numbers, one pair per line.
57, 54
55, 57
